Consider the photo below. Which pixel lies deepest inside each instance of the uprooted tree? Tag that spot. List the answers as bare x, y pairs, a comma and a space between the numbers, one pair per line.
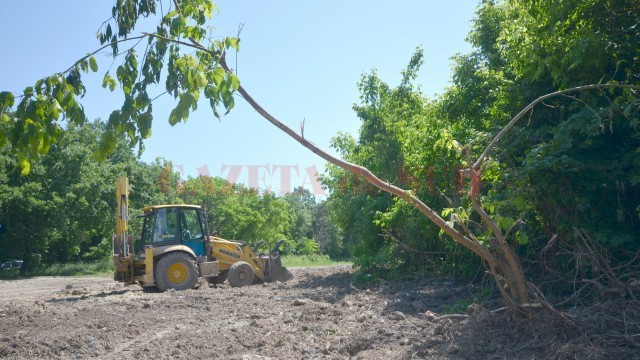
31, 121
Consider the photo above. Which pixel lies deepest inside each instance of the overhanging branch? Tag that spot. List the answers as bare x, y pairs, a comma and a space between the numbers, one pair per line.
104, 47
368, 175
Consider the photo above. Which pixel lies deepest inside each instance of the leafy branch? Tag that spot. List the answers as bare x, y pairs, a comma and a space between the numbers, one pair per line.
530, 107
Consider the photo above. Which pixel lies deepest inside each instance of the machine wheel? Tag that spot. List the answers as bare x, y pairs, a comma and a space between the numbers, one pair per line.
240, 274
217, 280
176, 271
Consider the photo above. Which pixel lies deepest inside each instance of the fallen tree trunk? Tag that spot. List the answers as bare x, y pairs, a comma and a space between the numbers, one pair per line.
505, 268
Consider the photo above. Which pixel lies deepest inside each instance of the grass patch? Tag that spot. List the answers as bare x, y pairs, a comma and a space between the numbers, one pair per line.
10, 274
101, 267
310, 261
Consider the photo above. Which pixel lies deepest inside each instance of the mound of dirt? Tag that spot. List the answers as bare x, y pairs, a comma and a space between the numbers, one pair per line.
319, 314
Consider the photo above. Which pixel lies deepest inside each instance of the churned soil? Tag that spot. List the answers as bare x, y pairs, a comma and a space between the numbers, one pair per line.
320, 314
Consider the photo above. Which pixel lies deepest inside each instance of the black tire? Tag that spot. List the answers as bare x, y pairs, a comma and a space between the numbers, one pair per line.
176, 271
217, 280
240, 274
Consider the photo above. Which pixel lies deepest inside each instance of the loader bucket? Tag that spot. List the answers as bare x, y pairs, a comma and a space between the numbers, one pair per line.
274, 271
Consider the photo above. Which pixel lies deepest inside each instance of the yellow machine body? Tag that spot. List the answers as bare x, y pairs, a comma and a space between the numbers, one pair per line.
172, 251
230, 252
175, 248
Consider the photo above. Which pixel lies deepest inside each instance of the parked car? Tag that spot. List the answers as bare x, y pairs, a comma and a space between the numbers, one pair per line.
11, 264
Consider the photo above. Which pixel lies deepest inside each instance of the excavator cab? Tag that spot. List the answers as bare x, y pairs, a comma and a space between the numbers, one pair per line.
167, 225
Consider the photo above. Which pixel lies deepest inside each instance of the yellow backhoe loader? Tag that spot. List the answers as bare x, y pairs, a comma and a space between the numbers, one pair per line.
175, 248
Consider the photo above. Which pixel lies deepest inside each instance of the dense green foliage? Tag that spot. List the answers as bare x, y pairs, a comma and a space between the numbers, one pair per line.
570, 170
419, 154
64, 209
246, 214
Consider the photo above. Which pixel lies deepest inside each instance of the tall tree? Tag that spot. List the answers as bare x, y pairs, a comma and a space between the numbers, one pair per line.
327, 234
302, 205
28, 214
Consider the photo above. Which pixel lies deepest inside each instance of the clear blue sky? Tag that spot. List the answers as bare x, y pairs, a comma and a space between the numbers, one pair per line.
299, 59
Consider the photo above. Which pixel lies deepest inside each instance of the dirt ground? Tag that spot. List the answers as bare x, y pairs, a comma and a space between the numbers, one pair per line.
320, 314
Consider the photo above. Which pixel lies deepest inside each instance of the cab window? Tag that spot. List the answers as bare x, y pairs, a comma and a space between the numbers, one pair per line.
190, 224
166, 227
147, 228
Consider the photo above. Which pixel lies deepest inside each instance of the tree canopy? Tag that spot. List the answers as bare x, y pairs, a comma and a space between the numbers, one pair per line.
563, 183
64, 209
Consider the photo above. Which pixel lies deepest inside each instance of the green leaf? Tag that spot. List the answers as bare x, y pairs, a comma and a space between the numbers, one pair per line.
67, 98
6, 99
228, 102
218, 75
627, 110
447, 212
171, 14
44, 145
232, 42
235, 82
144, 124
109, 81
522, 237
55, 109
200, 80
84, 65
93, 64
174, 116
25, 165
132, 59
